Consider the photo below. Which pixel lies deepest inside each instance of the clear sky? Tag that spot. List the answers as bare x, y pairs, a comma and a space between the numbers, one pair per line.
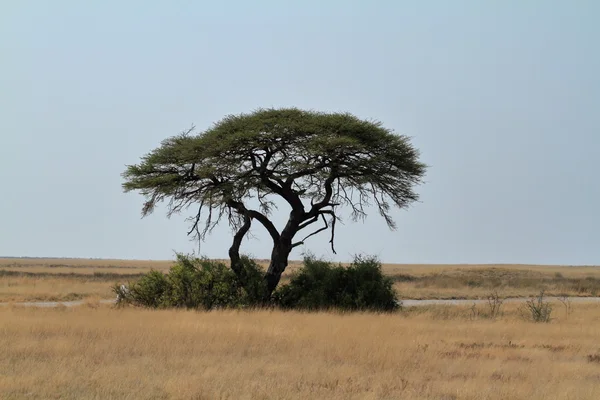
501, 97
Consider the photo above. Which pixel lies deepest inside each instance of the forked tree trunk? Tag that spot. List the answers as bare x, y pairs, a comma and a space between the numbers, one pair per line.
282, 245
279, 260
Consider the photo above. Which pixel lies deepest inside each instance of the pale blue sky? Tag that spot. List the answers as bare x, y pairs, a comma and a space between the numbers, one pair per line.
502, 98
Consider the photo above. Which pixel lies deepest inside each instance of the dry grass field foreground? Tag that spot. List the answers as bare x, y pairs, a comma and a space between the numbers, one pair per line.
29, 279
438, 352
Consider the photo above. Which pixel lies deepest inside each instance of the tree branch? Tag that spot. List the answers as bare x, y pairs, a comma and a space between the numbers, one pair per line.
322, 214
327, 198
314, 233
309, 222
266, 222
234, 250
278, 186
196, 219
309, 171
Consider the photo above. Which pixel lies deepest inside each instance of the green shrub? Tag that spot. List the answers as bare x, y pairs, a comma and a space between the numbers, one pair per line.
319, 285
195, 283
201, 283
148, 291
254, 285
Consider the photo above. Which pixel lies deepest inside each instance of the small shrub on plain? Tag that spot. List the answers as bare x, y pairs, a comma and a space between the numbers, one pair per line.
537, 309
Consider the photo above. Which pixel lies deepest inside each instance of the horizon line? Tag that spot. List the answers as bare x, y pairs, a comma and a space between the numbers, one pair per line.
299, 261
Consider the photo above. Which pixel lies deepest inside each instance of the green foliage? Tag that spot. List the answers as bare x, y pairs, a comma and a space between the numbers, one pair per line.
195, 283
319, 285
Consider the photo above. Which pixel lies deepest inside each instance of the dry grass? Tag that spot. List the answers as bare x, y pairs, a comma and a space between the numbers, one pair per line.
86, 264
39, 279
94, 352
511, 281
31, 288
30, 279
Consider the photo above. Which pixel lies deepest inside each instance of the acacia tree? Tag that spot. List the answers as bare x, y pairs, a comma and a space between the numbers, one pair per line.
316, 162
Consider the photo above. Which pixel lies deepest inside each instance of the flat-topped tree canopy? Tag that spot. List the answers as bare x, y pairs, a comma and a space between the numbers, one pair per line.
315, 161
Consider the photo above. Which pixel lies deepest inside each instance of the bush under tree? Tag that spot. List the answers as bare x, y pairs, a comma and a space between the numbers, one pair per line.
196, 283
320, 285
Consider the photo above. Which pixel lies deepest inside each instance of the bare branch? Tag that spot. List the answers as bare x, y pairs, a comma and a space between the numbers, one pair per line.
309, 222
322, 213
334, 218
197, 219
241, 209
312, 234
327, 197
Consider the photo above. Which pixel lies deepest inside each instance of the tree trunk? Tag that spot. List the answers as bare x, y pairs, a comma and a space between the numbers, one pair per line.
281, 251
279, 261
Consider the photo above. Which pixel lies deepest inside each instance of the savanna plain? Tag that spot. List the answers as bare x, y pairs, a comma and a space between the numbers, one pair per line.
98, 351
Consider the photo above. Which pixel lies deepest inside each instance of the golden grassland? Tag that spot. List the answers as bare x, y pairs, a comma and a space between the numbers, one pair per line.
98, 352
30, 279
